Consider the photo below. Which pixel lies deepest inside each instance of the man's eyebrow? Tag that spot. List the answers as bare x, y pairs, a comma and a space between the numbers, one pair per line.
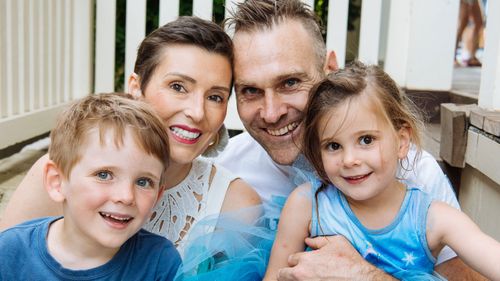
296, 74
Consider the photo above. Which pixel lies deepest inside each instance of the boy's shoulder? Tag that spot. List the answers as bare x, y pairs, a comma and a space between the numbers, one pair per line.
27, 228
155, 250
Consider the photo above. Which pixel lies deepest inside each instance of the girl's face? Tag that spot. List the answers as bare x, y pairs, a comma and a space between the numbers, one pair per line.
189, 90
360, 150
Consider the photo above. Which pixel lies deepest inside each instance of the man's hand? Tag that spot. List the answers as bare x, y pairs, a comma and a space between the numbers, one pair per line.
332, 258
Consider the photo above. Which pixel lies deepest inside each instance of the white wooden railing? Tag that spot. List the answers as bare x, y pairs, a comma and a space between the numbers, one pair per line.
47, 54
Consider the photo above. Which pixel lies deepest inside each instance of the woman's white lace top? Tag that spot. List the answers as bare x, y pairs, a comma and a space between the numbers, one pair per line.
186, 203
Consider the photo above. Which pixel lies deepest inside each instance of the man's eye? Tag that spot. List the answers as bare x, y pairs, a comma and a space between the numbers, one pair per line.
365, 140
145, 183
333, 146
249, 91
104, 175
291, 82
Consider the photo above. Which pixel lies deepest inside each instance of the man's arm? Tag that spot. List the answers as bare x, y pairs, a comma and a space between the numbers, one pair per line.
456, 270
333, 258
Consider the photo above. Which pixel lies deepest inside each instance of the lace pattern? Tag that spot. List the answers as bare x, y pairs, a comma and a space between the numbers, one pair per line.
182, 205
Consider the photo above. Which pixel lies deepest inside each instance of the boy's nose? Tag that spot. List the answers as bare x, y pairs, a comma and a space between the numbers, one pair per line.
124, 193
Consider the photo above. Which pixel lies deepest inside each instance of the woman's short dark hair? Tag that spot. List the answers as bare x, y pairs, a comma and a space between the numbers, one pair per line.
185, 30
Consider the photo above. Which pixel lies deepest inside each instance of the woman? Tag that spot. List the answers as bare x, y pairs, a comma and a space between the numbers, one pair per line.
184, 70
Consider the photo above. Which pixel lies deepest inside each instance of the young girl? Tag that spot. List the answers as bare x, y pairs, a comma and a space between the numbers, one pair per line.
358, 127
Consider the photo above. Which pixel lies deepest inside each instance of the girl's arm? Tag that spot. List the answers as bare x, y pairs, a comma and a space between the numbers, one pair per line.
449, 226
293, 228
30, 200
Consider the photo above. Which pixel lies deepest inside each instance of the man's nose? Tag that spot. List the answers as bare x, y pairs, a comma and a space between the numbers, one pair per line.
273, 108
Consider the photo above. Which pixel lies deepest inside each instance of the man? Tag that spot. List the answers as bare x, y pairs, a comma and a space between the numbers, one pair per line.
279, 55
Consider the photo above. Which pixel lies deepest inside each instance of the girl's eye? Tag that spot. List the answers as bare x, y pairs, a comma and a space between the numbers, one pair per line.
333, 146
365, 140
216, 98
178, 87
104, 175
145, 183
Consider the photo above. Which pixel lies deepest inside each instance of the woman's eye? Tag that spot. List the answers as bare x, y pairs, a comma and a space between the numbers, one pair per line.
365, 140
216, 98
145, 183
177, 87
333, 146
103, 175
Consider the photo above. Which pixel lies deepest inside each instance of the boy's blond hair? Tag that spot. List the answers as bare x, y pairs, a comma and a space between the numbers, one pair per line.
108, 112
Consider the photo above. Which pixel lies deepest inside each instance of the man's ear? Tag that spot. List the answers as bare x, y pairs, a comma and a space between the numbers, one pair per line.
134, 86
404, 135
53, 180
330, 62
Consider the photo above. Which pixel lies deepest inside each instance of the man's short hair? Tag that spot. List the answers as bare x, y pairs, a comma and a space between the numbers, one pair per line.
256, 15
112, 112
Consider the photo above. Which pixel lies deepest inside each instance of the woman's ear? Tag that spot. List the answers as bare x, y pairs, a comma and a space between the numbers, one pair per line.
134, 85
53, 181
404, 135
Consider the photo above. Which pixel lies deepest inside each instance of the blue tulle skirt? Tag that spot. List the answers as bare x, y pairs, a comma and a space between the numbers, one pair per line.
238, 248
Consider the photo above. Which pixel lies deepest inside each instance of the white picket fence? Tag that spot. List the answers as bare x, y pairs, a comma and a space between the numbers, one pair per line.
49, 54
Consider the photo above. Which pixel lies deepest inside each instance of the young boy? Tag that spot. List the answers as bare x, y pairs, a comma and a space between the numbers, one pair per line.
108, 155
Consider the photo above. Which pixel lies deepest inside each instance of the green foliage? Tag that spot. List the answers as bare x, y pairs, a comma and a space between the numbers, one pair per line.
185, 9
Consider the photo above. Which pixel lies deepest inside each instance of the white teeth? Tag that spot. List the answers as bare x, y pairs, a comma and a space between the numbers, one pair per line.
285, 130
184, 134
116, 218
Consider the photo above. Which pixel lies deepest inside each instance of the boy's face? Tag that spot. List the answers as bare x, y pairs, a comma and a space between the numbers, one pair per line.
110, 191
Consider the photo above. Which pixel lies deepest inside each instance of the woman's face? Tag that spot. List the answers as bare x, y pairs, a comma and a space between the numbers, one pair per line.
189, 90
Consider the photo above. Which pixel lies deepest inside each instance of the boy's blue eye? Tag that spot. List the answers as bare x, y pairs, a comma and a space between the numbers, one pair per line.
366, 140
103, 175
145, 183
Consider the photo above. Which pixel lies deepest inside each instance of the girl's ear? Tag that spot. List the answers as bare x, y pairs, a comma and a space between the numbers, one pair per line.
52, 180
404, 135
134, 86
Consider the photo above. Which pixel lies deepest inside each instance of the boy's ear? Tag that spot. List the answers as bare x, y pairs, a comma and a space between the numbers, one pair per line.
330, 62
52, 180
134, 86
404, 135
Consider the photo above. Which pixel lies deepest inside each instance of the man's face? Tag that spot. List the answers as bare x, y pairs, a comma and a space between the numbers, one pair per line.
274, 72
